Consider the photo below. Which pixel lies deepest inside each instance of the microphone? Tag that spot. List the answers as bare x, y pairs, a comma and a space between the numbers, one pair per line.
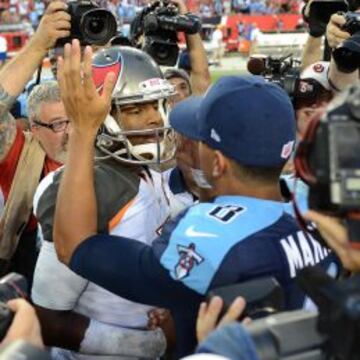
256, 65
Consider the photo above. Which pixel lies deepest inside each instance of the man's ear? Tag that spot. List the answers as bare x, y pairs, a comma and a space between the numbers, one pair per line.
220, 164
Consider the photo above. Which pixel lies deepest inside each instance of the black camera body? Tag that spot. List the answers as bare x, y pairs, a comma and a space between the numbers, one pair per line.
283, 71
347, 55
321, 10
159, 23
352, 24
304, 335
90, 24
264, 296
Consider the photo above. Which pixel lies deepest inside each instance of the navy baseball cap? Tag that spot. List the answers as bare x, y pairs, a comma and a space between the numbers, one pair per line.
183, 117
246, 118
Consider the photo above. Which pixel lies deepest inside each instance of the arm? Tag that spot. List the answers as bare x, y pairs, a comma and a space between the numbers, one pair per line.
56, 291
199, 75
76, 210
335, 234
15, 75
63, 329
312, 51
73, 331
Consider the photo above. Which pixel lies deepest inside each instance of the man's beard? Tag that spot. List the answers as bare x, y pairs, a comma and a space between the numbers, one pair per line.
61, 155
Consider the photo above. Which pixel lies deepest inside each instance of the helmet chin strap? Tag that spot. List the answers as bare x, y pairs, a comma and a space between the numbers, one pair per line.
142, 151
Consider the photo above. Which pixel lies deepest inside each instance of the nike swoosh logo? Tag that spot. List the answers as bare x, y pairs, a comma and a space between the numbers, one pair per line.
190, 232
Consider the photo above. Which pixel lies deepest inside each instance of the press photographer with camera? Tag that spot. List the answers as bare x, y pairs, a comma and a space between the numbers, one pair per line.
324, 18
27, 156
200, 78
155, 30
328, 160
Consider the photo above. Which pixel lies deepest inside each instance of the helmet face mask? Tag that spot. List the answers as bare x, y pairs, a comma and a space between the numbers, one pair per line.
139, 82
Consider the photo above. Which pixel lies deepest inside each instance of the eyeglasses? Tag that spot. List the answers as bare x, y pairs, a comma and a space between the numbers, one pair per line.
56, 126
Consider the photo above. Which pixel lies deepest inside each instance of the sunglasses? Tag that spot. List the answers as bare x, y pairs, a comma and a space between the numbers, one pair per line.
56, 126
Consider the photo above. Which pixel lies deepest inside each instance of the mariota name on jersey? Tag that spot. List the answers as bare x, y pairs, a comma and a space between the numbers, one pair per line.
302, 251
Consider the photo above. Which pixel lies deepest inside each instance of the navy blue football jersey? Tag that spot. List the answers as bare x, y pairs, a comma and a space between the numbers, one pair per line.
232, 239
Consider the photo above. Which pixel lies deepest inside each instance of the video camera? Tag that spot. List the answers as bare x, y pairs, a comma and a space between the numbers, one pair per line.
334, 333
328, 160
90, 24
283, 71
159, 24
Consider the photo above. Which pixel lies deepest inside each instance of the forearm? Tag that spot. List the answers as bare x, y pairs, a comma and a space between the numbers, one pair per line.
7, 123
199, 75
312, 51
106, 339
16, 74
341, 80
65, 329
76, 210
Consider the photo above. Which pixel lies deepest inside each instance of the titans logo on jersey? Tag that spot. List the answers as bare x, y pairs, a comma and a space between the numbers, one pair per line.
235, 239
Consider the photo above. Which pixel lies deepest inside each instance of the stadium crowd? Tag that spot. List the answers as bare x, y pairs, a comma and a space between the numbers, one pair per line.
17, 11
136, 194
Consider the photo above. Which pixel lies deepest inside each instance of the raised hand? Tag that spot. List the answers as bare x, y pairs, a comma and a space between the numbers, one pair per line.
85, 106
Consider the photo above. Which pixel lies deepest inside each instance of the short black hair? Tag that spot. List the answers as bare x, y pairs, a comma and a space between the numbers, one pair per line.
257, 174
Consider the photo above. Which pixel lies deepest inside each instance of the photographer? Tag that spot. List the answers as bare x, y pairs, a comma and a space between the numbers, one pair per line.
27, 156
335, 35
199, 74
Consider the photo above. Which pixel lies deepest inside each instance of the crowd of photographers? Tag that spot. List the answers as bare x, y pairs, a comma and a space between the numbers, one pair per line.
150, 214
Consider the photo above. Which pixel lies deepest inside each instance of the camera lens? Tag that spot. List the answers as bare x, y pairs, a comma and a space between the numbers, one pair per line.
98, 26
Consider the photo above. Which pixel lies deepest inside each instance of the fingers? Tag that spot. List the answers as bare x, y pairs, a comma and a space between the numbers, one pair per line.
335, 34
20, 306
212, 311
74, 67
335, 235
60, 74
331, 227
108, 87
338, 19
89, 86
55, 6
234, 312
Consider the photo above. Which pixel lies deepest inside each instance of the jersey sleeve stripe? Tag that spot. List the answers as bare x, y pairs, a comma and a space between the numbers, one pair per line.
117, 218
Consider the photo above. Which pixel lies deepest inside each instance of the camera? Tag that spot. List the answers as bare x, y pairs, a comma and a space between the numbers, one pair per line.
331, 334
159, 24
283, 71
328, 160
321, 10
12, 286
263, 296
90, 24
347, 55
